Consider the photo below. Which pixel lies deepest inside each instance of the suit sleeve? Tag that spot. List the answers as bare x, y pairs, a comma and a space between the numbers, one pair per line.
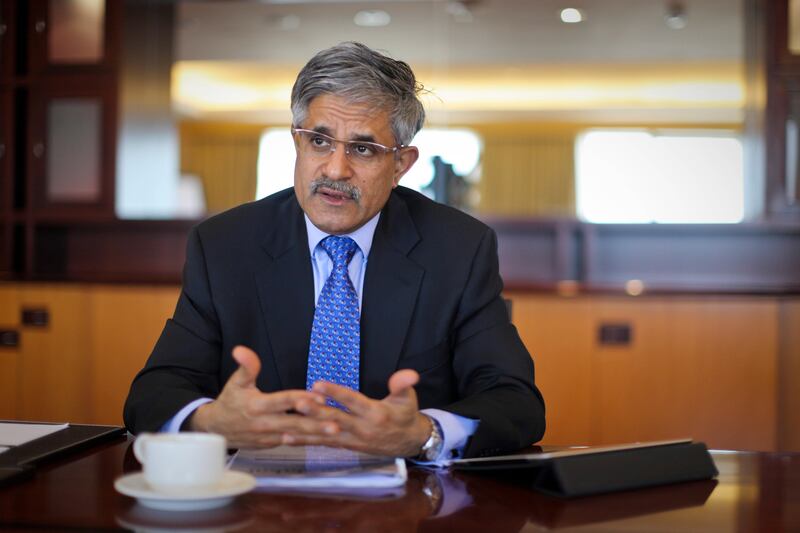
494, 371
184, 364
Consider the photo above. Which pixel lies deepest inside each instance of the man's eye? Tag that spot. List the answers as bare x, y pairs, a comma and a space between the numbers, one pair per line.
364, 150
318, 141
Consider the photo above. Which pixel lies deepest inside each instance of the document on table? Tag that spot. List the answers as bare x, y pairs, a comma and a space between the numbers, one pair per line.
320, 467
17, 433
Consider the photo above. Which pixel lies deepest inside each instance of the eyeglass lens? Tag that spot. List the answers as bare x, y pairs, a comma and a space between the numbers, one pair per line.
320, 145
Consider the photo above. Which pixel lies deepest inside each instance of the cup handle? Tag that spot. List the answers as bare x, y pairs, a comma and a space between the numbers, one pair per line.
139, 447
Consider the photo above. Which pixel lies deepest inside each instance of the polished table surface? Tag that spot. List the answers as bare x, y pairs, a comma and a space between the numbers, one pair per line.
754, 492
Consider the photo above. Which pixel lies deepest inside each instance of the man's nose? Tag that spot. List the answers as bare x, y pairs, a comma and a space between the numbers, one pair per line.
337, 165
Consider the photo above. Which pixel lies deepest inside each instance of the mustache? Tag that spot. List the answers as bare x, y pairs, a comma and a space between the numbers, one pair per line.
339, 186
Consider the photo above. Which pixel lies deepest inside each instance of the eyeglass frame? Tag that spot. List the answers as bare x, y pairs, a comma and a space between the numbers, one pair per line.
384, 149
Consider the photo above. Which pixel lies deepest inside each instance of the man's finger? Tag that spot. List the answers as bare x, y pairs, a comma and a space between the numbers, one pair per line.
356, 402
282, 401
401, 385
294, 424
249, 367
346, 421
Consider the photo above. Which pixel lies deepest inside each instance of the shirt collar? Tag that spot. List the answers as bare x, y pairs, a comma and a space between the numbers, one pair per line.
362, 236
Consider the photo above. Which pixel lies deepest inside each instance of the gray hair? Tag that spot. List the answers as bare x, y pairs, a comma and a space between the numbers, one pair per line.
363, 76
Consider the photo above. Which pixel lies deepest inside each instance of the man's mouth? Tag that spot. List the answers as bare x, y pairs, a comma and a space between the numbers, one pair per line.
335, 192
334, 195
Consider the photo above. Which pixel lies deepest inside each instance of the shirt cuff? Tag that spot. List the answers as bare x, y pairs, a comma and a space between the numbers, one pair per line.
456, 430
173, 425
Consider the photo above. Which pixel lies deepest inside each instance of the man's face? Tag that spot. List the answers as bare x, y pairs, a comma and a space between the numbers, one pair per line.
334, 211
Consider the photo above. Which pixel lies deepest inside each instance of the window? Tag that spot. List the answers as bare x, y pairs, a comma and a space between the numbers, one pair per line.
637, 176
275, 162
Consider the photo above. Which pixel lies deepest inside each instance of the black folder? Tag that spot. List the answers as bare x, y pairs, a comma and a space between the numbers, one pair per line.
596, 470
19, 461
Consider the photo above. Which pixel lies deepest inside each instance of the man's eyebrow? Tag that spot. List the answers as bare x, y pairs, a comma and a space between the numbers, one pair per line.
324, 130
366, 137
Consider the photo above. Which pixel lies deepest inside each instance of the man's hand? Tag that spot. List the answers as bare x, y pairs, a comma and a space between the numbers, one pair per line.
391, 426
249, 418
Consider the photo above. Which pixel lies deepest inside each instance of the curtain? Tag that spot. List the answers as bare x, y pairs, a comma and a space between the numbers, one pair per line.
528, 173
225, 158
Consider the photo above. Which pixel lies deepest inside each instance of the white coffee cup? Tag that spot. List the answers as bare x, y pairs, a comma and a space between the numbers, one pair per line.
181, 462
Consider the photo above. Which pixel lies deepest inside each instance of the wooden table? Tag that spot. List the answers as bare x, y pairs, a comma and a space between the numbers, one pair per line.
754, 492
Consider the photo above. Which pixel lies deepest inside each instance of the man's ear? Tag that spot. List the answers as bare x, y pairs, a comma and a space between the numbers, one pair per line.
403, 162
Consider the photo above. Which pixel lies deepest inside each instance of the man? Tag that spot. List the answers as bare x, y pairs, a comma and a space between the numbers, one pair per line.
347, 303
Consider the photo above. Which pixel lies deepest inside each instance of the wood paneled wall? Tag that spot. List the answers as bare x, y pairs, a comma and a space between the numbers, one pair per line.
126, 322
702, 367
789, 375
724, 370
9, 356
79, 366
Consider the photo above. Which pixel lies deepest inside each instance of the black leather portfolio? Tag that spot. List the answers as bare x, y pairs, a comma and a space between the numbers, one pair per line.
595, 470
17, 462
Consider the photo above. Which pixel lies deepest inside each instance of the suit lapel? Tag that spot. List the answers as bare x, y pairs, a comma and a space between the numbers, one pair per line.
391, 288
286, 291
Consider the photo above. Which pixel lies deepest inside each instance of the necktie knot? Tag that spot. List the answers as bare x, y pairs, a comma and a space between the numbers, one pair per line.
339, 249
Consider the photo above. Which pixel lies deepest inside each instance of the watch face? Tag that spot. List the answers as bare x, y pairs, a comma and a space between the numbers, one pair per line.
433, 448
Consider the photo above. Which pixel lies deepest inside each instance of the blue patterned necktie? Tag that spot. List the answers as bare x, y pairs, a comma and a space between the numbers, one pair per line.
333, 353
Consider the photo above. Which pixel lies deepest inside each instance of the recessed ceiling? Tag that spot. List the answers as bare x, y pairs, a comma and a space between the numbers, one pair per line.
426, 31
485, 58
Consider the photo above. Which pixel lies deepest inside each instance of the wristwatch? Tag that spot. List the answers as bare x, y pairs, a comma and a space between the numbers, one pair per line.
432, 448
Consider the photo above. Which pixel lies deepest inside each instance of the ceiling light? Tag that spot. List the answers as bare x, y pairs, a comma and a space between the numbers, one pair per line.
571, 15
289, 22
459, 11
372, 18
675, 17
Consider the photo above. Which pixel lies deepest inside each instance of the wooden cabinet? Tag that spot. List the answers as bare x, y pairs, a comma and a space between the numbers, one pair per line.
78, 366
9, 355
54, 369
126, 321
700, 367
7, 36
70, 35
6, 202
71, 159
58, 108
718, 369
775, 73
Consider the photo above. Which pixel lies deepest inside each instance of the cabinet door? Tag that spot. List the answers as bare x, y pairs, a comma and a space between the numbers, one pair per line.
71, 35
71, 154
126, 323
558, 334
6, 38
6, 124
9, 355
703, 368
55, 369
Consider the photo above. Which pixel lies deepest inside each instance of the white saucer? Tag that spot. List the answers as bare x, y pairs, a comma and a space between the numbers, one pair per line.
231, 485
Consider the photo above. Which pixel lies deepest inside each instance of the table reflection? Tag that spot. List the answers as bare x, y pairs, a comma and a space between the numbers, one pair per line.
439, 500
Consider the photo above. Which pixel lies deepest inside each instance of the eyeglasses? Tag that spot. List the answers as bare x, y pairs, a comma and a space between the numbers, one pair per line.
315, 144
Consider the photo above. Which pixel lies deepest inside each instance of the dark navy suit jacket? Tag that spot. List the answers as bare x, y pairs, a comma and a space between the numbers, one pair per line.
431, 302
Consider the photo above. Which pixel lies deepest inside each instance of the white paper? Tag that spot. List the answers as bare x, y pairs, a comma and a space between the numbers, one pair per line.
320, 467
16, 433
